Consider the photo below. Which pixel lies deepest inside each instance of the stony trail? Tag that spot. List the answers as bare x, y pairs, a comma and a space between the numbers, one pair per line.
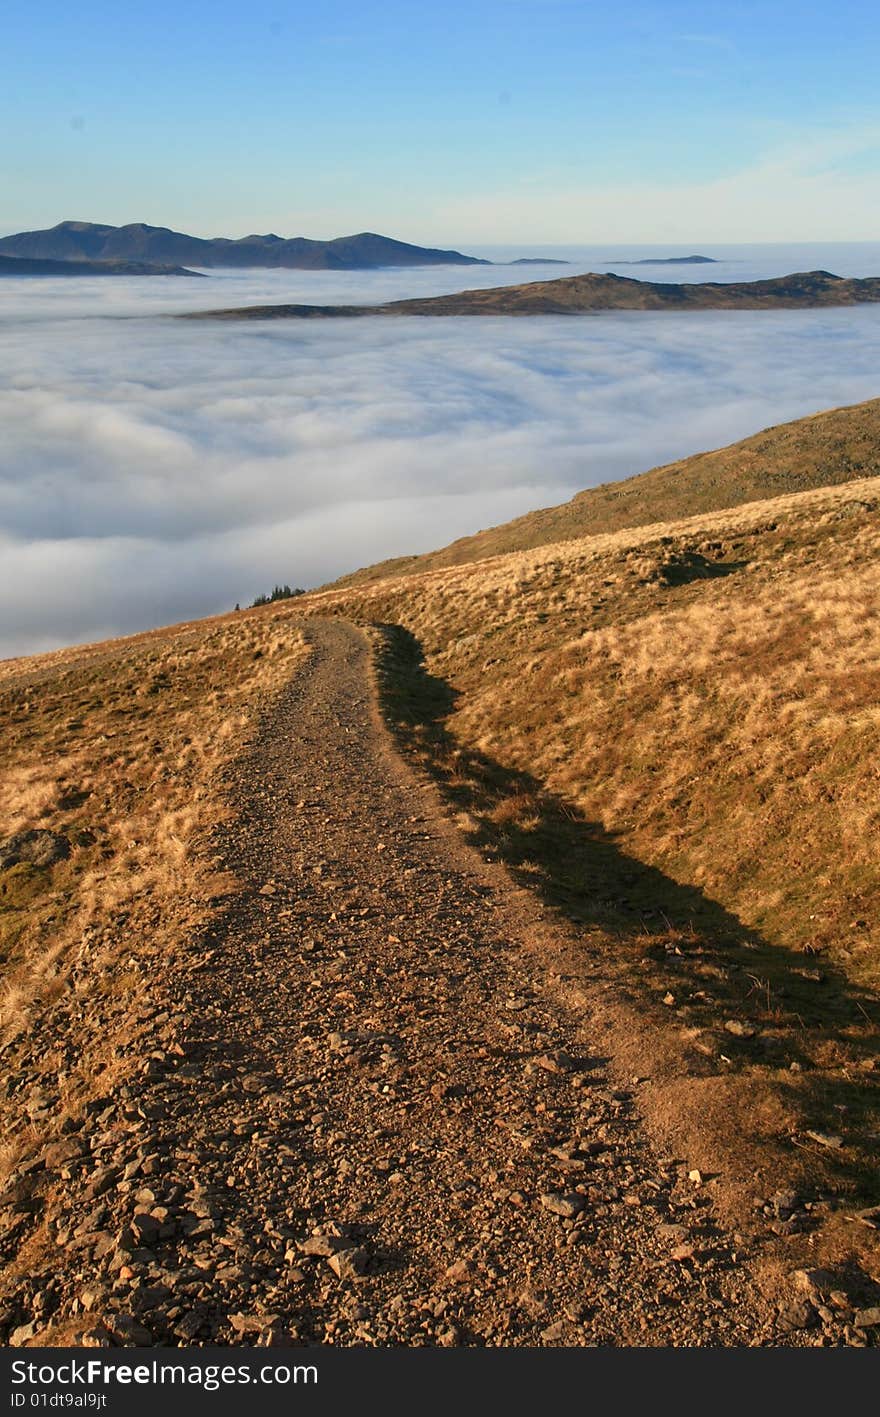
407, 1141
369, 1118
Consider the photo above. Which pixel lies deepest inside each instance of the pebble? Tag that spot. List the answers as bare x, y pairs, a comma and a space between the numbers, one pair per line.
567, 1205
349, 1264
826, 1139
461, 1271
739, 1029
867, 1318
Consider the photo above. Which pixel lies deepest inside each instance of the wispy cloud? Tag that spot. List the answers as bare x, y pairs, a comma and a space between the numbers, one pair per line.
799, 189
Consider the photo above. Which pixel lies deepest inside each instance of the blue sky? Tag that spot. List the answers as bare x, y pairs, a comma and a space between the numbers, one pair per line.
549, 120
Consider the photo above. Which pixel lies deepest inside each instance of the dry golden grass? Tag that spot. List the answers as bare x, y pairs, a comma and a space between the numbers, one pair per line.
707, 691
120, 748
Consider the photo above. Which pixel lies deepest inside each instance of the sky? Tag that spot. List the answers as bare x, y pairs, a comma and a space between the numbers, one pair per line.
487, 121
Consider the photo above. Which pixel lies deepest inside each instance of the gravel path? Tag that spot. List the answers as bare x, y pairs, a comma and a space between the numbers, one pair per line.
363, 1116
409, 1143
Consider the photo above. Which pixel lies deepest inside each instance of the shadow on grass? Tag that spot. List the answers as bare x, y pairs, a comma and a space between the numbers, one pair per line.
669, 946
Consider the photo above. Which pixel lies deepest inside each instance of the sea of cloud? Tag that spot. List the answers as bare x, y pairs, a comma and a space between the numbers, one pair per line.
152, 470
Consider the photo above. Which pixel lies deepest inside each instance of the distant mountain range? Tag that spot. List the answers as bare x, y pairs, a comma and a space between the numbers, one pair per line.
590, 294
157, 245
28, 266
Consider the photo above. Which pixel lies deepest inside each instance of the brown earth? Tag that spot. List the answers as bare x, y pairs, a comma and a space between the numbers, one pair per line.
370, 1099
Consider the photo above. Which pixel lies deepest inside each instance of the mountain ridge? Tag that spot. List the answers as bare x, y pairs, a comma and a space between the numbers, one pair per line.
592, 293
40, 266
83, 240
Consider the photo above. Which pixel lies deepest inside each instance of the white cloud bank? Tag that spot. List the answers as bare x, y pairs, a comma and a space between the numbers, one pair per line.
151, 471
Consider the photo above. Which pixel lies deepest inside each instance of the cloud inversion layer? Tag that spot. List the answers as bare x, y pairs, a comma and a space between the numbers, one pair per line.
154, 470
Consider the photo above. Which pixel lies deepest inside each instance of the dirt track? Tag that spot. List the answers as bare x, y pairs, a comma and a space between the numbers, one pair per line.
359, 1109
395, 1090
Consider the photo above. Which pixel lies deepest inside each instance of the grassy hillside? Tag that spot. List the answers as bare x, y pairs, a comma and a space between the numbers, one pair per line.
820, 451
705, 690
672, 734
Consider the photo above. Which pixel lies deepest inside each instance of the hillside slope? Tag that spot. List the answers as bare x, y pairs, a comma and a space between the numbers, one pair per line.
256, 997
706, 689
671, 733
822, 450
